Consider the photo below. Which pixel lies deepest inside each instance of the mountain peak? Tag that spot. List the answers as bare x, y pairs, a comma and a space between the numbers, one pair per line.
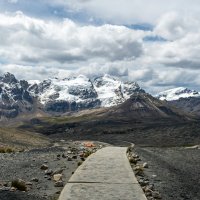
104, 91
82, 77
108, 76
144, 107
177, 93
8, 78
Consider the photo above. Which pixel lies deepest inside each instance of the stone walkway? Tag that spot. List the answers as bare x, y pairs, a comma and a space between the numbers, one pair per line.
105, 175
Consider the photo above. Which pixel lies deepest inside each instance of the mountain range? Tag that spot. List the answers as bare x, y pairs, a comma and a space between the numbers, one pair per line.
183, 98
177, 93
59, 96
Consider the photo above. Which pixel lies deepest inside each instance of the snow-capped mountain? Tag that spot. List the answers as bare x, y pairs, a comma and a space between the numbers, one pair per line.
14, 97
55, 96
182, 98
67, 94
62, 95
111, 91
81, 92
177, 93
75, 89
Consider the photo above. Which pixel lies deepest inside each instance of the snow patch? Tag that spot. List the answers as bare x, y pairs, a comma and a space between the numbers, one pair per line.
109, 90
177, 93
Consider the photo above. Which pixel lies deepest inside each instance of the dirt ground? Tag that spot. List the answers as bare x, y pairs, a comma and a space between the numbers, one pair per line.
26, 166
175, 172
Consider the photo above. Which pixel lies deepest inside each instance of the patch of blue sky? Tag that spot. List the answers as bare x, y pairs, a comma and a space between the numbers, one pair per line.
3, 61
143, 27
32, 8
154, 39
35, 8
42, 10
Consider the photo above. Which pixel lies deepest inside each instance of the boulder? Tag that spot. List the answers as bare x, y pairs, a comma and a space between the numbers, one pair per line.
48, 172
145, 165
57, 177
35, 179
59, 184
44, 167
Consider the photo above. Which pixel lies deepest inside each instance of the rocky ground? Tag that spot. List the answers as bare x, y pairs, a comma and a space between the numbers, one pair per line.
168, 173
42, 172
174, 173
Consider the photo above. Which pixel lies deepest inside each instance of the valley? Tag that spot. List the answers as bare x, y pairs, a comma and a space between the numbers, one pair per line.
162, 132
99, 100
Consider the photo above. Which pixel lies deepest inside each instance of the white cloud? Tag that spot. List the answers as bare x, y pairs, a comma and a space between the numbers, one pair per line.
173, 26
28, 72
129, 11
12, 1
26, 40
34, 48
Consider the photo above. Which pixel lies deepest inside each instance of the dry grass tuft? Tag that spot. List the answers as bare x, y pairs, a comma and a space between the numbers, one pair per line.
19, 184
4, 149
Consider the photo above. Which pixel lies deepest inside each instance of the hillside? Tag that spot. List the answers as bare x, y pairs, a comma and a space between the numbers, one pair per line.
18, 139
142, 119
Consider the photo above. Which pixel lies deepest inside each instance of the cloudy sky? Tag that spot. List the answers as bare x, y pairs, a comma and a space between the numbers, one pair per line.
156, 43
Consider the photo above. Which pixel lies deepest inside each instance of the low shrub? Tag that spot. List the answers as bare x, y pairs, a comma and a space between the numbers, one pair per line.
87, 153
79, 163
19, 184
6, 149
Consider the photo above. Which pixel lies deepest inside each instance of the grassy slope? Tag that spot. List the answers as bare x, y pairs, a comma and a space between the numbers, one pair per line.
22, 139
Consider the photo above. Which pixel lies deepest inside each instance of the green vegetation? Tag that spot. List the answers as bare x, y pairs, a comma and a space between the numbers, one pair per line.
79, 163
55, 197
19, 184
65, 119
15, 139
4, 149
87, 153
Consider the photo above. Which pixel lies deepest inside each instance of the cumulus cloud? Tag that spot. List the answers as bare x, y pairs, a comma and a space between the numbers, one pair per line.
28, 72
26, 40
173, 25
179, 53
36, 48
118, 69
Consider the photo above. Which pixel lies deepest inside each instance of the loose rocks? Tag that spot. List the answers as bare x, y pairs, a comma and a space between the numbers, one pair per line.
44, 167
59, 184
145, 165
57, 177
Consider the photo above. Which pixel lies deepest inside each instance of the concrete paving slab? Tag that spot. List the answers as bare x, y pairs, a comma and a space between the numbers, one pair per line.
105, 175
109, 165
102, 191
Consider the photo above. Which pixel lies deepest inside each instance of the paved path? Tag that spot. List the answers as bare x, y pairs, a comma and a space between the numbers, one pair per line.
105, 175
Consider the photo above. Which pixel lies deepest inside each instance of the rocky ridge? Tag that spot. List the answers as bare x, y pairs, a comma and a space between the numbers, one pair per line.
177, 93
61, 95
182, 98
14, 96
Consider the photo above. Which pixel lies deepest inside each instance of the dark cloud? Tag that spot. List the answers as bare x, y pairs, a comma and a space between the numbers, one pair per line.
189, 64
114, 71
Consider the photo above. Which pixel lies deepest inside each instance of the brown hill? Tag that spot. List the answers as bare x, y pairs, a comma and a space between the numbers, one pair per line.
143, 107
